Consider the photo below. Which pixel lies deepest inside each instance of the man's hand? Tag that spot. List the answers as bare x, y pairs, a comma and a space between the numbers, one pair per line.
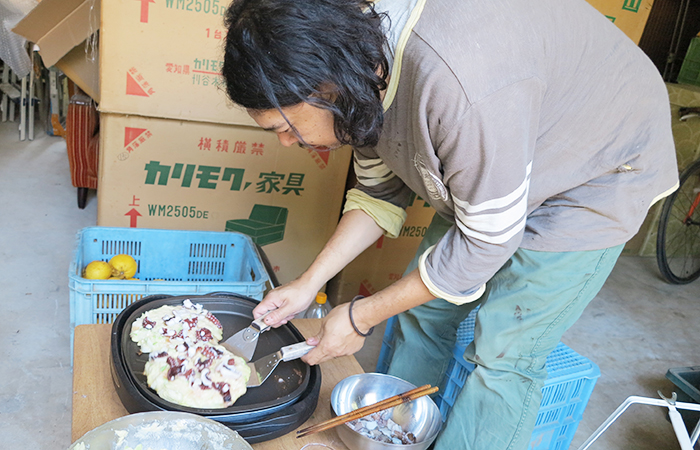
285, 302
355, 232
337, 336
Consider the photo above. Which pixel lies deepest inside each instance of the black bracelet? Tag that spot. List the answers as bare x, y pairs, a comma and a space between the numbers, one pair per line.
352, 322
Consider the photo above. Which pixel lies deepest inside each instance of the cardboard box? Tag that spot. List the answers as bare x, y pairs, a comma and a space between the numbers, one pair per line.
164, 59
168, 174
60, 28
158, 59
630, 16
385, 261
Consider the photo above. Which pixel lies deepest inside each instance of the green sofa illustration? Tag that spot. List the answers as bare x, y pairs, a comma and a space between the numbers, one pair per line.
265, 224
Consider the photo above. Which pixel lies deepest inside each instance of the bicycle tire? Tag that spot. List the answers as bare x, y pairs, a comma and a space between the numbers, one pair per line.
678, 240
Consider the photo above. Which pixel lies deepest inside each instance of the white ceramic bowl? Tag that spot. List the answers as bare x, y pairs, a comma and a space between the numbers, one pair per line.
162, 429
420, 417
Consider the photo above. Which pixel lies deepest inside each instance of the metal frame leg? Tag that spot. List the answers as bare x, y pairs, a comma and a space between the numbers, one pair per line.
23, 104
31, 98
696, 434
13, 77
684, 440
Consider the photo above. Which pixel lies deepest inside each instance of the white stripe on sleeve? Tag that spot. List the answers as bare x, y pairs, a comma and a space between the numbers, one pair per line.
492, 239
495, 227
498, 203
496, 222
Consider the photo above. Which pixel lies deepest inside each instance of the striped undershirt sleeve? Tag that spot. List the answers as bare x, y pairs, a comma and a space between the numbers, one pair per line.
371, 172
379, 192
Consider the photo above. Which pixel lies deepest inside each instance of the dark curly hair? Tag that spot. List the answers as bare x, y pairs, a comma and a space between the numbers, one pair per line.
284, 52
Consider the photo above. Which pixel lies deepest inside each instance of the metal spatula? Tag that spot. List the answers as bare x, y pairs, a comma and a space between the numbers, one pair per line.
245, 342
263, 367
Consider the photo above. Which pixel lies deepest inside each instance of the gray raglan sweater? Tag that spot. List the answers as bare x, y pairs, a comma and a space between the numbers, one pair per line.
533, 124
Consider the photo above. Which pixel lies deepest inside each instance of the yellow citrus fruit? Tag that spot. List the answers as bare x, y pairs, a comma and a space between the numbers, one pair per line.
97, 270
123, 266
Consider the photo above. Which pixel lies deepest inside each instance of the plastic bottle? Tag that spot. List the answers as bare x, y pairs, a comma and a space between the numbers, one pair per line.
319, 308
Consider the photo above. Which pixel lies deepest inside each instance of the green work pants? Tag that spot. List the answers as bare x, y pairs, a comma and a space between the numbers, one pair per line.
528, 305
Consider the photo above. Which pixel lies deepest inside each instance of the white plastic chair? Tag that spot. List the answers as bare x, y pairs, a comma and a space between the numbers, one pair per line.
21, 93
10, 93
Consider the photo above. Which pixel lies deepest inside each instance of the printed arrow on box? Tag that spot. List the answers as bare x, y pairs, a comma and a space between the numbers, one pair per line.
380, 242
144, 10
134, 214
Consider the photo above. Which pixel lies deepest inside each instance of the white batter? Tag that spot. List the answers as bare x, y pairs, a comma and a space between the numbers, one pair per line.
185, 364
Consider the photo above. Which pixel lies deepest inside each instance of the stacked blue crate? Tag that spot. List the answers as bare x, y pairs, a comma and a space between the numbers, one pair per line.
569, 384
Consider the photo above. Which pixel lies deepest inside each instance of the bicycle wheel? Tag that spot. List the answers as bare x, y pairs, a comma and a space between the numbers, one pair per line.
678, 239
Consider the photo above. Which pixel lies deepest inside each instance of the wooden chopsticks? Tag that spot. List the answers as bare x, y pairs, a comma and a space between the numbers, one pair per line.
369, 409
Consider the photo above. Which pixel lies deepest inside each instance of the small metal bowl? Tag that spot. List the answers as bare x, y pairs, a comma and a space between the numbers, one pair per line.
420, 417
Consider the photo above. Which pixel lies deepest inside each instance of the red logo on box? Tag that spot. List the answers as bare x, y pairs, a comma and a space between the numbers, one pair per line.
133, 137
137, 85
366, 288
321, 158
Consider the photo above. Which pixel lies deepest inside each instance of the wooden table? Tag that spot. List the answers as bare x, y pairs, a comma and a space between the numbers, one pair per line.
95, 401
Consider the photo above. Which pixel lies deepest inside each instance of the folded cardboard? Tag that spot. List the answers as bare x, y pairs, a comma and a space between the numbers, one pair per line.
61, 29
384, 262
81, 66
169, 174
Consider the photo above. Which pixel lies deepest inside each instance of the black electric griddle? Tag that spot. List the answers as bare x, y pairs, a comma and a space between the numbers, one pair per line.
281, 404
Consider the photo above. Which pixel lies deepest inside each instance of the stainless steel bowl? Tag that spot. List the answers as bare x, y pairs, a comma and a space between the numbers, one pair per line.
421, 416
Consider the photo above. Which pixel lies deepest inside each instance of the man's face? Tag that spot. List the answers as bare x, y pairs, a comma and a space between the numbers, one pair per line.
314, 126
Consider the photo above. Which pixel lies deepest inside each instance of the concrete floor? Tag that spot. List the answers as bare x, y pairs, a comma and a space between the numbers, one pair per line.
636, 329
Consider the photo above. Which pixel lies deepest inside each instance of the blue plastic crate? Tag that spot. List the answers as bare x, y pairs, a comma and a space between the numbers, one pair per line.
465, 334
173, 262
569, 384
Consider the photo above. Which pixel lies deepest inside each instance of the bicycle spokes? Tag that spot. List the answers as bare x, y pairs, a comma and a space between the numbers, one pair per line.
678, 241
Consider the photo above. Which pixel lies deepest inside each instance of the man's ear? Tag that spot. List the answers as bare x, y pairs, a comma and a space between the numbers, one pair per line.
327, 92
